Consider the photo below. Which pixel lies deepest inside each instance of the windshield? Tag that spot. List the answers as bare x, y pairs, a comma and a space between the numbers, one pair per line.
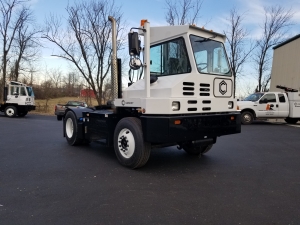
253, 97
210, 56
30, 91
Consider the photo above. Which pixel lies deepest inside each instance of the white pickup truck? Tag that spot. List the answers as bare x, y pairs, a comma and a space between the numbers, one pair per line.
271, 105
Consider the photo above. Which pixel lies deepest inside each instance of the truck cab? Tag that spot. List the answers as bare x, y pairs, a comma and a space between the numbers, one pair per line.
18, 99
270, 105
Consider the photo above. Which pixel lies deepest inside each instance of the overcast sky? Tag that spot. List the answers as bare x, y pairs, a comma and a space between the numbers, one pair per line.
213, 15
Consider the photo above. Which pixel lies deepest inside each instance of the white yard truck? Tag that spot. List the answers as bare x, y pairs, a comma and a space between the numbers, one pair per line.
184, 98
271, 105
18, 99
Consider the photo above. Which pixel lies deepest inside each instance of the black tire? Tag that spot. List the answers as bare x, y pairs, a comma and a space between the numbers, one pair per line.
71, 129
291, 120
11, 111
247, 118
59, 117
196, 150
130, 148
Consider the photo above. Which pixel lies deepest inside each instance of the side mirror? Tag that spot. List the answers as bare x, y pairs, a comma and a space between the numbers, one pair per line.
15, 93
134, 43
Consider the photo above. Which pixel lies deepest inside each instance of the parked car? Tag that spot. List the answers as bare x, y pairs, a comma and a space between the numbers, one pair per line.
61, 108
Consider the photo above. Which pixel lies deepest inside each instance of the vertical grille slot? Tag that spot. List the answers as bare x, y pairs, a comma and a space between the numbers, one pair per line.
188, 93
188, 88
204, 94
204, 85
188, 83
204, 89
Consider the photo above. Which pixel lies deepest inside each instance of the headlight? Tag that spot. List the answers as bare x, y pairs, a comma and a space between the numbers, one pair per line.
175, 106
230, 105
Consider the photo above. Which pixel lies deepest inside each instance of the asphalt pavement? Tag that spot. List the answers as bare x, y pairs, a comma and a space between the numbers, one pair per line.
248, 178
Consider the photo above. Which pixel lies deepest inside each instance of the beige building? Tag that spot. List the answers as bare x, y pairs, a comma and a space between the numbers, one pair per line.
286, 64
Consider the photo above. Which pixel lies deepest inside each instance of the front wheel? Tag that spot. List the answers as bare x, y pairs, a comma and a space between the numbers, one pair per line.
247, 118
130, 148
291, 120
71, 129
10, 111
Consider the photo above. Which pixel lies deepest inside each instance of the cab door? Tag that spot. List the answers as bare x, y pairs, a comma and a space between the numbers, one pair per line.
13, 94
17, 95
22, 96
267, 106
283, 105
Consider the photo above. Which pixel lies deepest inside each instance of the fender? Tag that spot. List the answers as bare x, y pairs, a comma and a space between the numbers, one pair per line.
78, 114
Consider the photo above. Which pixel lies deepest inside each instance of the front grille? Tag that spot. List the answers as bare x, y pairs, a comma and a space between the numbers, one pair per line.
204, 89
188, 88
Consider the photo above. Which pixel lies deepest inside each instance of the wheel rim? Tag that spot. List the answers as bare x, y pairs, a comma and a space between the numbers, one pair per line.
126, 143
10, 112
247, 118
69, 128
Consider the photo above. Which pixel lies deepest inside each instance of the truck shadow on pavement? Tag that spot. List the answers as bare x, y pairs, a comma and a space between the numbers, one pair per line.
169, 158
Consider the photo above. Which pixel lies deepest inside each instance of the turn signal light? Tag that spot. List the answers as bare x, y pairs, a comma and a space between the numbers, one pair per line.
177, 122
143, 22
232, 118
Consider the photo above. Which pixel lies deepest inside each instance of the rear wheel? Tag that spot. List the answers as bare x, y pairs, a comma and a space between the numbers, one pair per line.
130, 148
10, 111
247, 118
291, 120
71, 129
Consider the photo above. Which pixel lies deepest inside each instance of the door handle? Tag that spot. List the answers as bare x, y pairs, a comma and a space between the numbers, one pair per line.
277, 105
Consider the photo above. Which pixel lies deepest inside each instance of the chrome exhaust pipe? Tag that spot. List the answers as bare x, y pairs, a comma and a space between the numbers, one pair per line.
114, 64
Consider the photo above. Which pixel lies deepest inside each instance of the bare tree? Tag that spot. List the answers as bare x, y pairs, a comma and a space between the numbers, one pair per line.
183, 12
56, 77
11, 18
277, 19
86, 44
17, 38
26, 47
236, 35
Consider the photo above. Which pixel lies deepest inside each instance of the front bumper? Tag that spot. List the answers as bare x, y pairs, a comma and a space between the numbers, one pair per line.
162, 129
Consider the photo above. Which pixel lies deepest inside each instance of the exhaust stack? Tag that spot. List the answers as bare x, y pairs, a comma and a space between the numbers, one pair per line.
114, 64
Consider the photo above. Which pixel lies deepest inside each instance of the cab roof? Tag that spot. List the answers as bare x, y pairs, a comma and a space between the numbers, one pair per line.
159, 34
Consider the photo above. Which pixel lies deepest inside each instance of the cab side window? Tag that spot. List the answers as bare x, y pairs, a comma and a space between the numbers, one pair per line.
269, 97
281, 98
14, 90
169, 58
22, 91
